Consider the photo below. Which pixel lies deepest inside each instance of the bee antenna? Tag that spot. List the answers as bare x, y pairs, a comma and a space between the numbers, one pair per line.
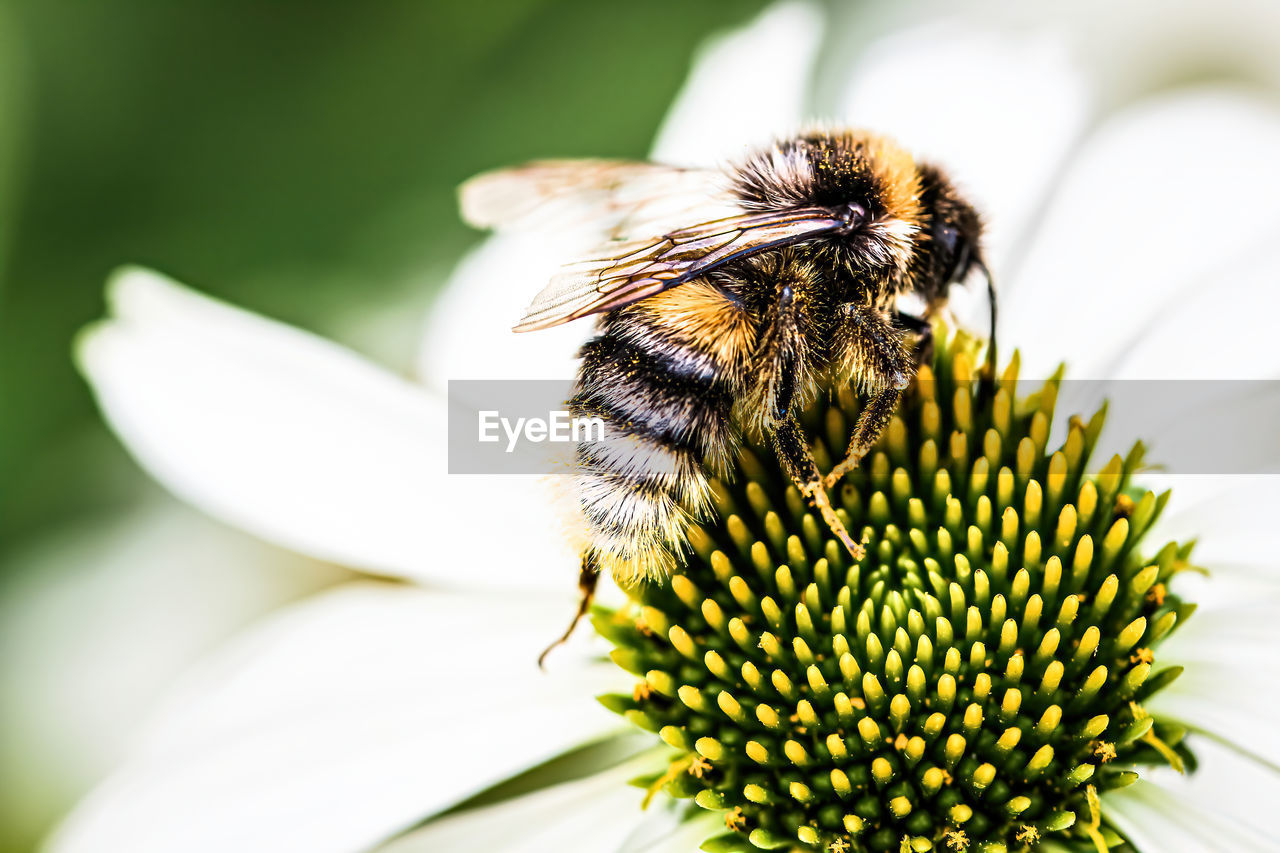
991, 307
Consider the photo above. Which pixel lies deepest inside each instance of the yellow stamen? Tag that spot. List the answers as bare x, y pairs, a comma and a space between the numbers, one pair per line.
1095, 820
1153, 740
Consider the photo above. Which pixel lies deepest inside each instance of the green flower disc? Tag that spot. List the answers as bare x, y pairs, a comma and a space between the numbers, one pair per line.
973, 683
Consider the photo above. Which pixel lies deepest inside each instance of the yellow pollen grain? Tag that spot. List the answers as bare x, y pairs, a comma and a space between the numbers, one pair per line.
699, 767
1142, 656
1104, 751
957, 839
735, 820
839, 846
641, 691
1157, 593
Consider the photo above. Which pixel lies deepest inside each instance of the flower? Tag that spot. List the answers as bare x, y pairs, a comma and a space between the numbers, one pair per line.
373, 711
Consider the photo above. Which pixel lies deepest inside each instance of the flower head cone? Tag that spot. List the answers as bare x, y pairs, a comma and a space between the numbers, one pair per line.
976, 681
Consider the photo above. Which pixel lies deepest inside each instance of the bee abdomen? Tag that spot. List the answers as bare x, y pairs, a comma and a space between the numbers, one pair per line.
664, 412
656, 394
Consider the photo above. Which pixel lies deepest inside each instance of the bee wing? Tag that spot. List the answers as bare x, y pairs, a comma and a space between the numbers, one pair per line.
617, 198
632, 270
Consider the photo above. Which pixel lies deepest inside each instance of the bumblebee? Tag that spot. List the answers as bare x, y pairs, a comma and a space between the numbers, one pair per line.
727, 299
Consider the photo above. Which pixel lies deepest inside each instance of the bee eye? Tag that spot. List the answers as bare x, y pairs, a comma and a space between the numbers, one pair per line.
853, 214
947, 237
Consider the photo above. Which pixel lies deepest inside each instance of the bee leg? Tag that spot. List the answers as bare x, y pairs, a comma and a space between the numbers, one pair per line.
795, 454
588, 577
871, 423
885, 368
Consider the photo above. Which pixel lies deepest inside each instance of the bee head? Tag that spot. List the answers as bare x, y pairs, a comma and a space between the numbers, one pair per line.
950, 242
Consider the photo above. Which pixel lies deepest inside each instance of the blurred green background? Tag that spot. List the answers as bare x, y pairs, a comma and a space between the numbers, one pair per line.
296, 158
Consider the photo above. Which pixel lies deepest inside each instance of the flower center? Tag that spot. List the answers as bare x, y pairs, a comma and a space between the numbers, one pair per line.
973, 683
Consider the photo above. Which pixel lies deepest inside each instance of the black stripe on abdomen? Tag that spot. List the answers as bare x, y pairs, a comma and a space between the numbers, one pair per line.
653, 394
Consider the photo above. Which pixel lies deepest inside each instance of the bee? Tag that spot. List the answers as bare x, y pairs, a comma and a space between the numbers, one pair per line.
727, 298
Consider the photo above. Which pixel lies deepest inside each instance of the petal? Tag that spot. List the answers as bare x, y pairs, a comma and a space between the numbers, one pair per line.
345, 720
300, 442
600, 812
1129, 234
596, 813
673, 831
1209, 332
468, 331
1231, 686
97, 619
746, 88
1232, 519
1221, 806
1004, 146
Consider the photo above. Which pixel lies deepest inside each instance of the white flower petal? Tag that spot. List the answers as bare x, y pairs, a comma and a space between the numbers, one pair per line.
1210, 332
1224, 805
746, 88
1232, 517
599, 813
468, 331
1231, 685
664, 831
344, 720
596, 813
999, 110
302, 443
97, 619
1128, 235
